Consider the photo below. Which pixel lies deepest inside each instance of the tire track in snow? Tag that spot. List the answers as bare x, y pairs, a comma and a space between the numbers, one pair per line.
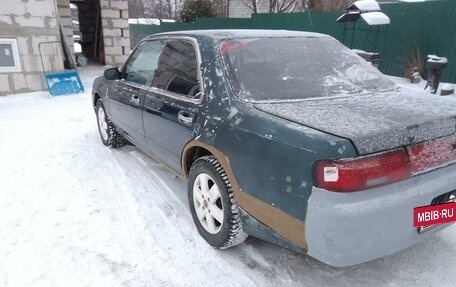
135, 240
177, 237
179, 224
243, 255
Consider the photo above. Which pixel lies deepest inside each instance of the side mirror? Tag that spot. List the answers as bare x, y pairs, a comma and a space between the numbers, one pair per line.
112, 74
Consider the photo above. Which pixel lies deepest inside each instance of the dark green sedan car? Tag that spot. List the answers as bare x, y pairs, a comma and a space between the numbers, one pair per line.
285, 136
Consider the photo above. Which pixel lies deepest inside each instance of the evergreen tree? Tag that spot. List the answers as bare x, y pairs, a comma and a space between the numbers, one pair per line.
196, 8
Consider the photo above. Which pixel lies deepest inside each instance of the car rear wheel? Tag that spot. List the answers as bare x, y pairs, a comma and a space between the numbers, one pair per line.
108, 134
212, 204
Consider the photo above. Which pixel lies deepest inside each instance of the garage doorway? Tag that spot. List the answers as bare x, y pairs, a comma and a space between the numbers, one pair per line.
87, 30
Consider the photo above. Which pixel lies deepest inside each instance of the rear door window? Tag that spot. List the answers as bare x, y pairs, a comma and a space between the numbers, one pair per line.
177, 70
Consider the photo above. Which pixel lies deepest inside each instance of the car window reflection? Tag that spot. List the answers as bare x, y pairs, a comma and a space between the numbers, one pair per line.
141, 66
177, 69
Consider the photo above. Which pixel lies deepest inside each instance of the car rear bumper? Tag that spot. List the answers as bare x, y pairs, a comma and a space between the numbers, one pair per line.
344, 229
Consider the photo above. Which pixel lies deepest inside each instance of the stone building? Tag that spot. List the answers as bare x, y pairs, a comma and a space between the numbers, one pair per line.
28, 27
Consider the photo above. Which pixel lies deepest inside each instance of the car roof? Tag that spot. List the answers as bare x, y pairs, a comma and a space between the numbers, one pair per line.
221, 34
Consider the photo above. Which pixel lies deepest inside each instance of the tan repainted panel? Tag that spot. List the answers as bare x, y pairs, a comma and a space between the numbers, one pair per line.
281, 222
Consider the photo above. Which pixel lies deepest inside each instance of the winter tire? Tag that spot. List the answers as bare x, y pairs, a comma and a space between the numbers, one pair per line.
108, 134
212, 204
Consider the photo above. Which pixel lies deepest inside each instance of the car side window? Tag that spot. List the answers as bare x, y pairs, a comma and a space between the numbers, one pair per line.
141, 66
177, 69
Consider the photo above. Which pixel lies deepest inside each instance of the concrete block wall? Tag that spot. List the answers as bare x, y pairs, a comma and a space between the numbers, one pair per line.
64, 12
30, 22
116, 36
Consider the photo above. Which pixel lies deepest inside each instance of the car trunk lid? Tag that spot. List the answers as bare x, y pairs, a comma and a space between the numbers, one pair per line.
375, 122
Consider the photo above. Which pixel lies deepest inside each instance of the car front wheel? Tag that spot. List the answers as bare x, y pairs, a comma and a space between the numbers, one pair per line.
108, 134
212, 204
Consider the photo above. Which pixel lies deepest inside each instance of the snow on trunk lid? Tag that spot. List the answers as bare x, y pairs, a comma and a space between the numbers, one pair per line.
374, 123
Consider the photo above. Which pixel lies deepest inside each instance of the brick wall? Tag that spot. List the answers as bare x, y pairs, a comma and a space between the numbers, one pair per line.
116, 36
64, 12
30, 22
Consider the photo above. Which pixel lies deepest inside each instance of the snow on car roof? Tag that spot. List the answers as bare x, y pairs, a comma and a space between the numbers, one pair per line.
244, 33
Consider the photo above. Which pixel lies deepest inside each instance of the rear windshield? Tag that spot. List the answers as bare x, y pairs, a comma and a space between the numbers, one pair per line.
268, 69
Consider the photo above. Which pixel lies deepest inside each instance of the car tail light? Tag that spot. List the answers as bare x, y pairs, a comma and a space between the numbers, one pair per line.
431, 155
349, 175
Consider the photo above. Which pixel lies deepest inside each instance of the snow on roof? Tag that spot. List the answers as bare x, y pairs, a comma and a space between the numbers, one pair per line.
375, 18
437, 59
350, 16
365, 6
149, 21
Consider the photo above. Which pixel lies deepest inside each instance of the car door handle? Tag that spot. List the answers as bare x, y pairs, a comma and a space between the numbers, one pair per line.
185, 118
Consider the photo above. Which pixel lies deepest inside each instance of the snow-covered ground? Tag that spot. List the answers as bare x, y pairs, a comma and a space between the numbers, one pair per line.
74, 213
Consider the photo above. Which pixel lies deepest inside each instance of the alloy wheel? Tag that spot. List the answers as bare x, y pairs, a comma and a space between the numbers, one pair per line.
208, 203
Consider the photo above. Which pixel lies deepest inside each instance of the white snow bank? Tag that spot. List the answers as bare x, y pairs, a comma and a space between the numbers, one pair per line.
149, 21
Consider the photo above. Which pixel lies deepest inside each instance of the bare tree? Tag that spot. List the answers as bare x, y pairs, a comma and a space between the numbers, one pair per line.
252, 5
154, 9
327, 5
220, 7
274, 6
282, 6
168, 9
135, 9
